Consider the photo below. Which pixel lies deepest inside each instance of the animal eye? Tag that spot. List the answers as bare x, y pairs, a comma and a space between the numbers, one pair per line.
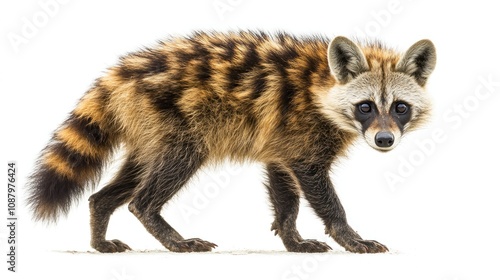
365, 108
401, 108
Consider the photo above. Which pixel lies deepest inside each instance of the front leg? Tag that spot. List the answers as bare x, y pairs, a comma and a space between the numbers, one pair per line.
285, 197
319, 191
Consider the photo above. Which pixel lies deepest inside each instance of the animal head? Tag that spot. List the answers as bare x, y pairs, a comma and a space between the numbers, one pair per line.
379, 93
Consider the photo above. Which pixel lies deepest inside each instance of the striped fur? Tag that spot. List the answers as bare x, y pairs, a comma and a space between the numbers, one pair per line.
193, 101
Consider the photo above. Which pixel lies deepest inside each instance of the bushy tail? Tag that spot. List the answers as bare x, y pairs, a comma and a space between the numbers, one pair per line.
73, 159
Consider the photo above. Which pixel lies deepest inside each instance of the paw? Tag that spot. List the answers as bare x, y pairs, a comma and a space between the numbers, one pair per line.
309, 246
352, 242
111, 246
361, 246
192, 245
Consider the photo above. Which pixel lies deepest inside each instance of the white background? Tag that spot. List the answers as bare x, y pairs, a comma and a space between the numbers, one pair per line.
439, 214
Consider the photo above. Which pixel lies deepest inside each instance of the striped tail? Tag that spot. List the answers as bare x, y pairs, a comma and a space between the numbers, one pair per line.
73, 159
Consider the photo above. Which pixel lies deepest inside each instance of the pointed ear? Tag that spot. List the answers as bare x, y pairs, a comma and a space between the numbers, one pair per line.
419, 61
346, 60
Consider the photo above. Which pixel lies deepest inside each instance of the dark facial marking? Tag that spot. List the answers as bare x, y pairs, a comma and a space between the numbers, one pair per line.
401, 113
365, 113
383, 93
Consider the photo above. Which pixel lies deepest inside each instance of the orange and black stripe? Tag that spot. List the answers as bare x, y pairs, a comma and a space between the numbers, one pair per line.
73, 158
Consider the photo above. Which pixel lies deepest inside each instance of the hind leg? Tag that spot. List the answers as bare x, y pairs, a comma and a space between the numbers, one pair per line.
104, 203
169, 173
284, 195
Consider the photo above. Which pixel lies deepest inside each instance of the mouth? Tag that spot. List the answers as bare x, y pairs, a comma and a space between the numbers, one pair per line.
382, 142
383, 150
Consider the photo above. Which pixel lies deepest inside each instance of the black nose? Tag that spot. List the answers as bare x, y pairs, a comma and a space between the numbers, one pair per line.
384, 139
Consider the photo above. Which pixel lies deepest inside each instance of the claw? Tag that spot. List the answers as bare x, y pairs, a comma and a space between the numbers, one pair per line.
309, 246
193, 245
365, 246
111, 246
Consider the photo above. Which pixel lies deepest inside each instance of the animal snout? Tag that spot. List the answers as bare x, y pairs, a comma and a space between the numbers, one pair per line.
384, 139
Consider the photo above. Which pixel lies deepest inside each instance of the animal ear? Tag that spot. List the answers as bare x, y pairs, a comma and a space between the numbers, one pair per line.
345, 59
419, 61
